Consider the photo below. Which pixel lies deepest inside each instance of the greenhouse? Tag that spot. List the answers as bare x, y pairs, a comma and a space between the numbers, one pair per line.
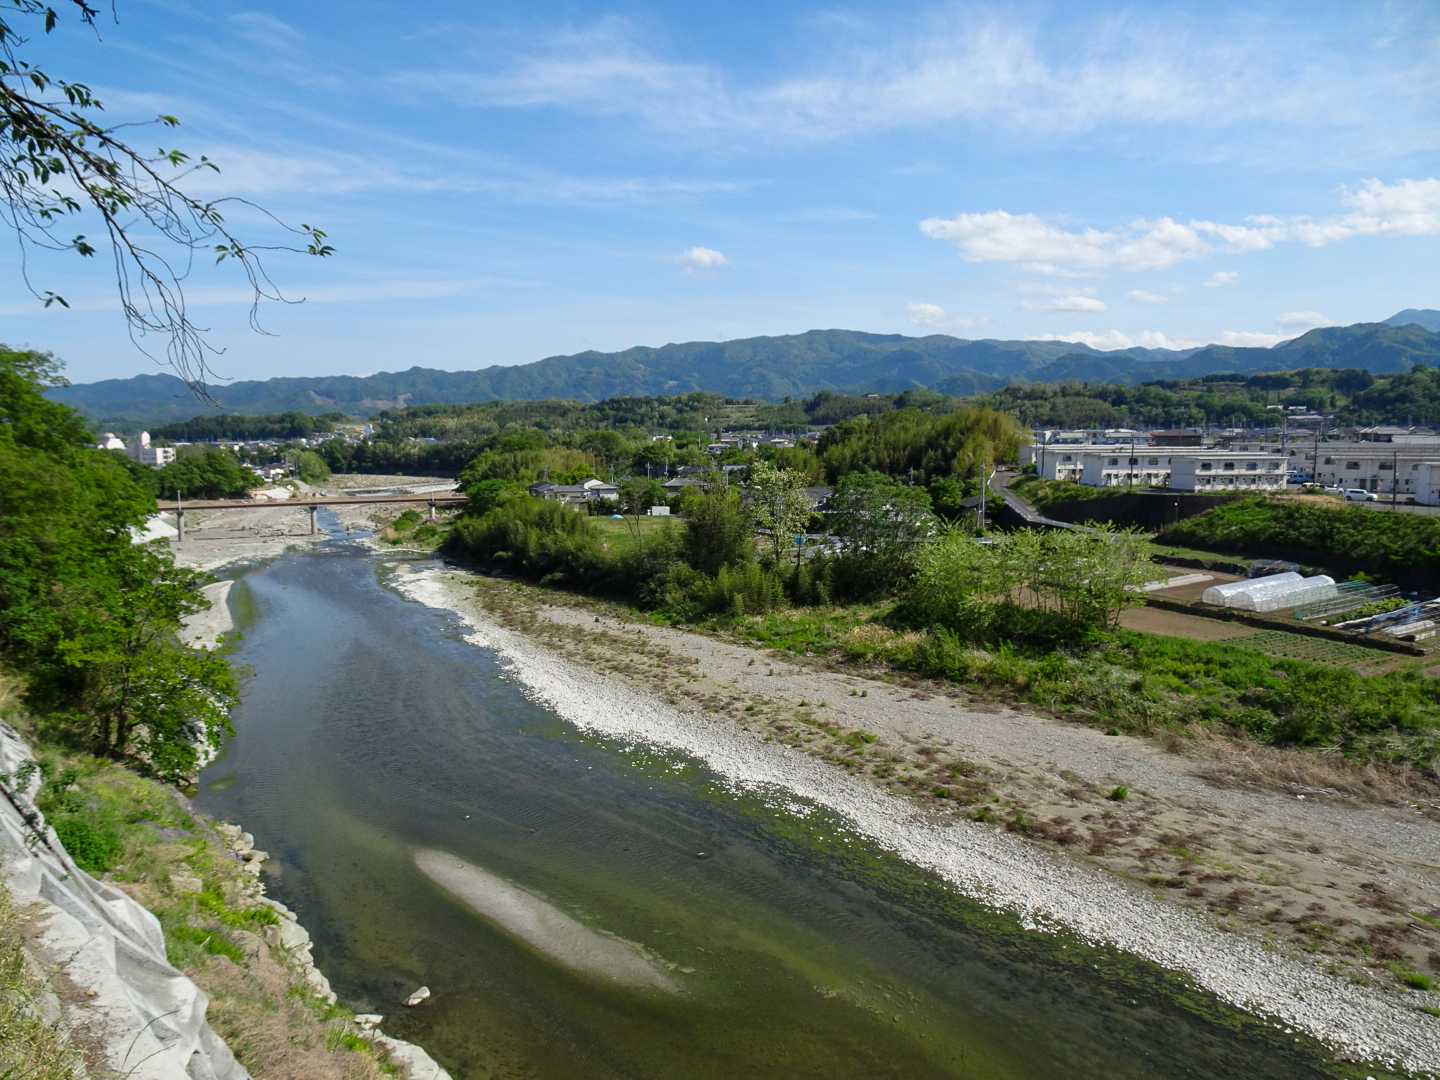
1271, 593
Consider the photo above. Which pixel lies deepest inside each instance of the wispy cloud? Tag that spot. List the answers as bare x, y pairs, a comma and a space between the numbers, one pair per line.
1221, 278
1406, 208
983, 65
252, 173
1145, 296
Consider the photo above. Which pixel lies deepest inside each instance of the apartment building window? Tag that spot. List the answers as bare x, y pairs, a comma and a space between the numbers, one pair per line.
1204, 466
1385, 466
1252, 466
1229, 466
1352, 466
1154, 461
1329, 461
1114, 461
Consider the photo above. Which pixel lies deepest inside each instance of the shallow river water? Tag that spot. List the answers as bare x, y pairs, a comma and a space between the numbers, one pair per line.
371, 731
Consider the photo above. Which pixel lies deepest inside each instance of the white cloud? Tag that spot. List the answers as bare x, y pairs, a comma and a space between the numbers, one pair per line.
936, 317
1250, 339
1116, 339
925, 314
1157, 339
1064, 303
1143, 296
1406, 208
1302, 320
1221, 278
701, 260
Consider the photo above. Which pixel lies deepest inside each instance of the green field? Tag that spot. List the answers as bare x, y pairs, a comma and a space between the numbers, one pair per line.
1315, 650
620, 534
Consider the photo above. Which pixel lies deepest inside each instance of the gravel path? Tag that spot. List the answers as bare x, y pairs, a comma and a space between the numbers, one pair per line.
1046, 888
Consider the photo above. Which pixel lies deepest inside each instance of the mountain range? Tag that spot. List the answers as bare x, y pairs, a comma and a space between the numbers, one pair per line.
768, 368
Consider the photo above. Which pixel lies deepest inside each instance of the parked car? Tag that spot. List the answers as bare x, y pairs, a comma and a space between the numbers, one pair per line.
1360, 495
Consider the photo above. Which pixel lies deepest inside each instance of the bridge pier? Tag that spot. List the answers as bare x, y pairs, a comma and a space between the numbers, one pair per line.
432, 510
180, 525
314, 519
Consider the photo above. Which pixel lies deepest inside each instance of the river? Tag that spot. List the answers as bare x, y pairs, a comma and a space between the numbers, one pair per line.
371, 732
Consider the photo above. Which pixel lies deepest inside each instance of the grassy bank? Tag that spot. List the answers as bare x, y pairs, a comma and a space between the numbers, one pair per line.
1040, 492
1404, 548
31, 1048
1142, 683
142, 837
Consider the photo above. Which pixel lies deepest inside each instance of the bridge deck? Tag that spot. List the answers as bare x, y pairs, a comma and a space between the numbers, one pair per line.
439, 498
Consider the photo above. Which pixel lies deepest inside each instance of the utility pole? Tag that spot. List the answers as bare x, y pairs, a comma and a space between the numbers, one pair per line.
982, 495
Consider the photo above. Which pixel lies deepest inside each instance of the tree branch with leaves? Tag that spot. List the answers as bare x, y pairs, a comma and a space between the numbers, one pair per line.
59, 161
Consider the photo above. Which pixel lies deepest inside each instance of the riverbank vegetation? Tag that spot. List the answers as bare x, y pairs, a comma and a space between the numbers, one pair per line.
88, 619
1027, 617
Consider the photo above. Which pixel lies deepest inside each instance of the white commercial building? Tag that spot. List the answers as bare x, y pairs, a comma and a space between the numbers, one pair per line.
138, 449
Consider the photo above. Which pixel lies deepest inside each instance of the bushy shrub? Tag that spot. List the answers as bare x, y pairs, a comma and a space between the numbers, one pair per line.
93, 846
536, 538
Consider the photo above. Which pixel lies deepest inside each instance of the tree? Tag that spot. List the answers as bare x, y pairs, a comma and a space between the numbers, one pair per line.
717, 529
881, 524
779, 502
216, 474
134, 692
311, 467
637, 494
482, 496
87, 617
60, 163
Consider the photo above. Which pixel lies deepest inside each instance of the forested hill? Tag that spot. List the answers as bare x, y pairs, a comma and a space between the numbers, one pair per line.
767, 368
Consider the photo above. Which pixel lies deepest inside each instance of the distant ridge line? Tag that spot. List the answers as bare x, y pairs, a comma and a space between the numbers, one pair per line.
770, 369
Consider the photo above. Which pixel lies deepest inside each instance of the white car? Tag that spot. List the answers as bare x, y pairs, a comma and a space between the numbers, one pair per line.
1360, 495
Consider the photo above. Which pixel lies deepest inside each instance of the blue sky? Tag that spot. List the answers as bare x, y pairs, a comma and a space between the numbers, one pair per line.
507, 181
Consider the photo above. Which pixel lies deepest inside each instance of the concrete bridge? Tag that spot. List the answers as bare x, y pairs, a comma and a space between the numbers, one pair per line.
312, 503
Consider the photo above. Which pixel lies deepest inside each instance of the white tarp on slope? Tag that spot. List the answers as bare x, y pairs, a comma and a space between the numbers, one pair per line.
148, 1017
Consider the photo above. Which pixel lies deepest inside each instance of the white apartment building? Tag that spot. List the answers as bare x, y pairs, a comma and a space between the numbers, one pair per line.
1378, 467
1175, 468
1228, 470
1066, 461
1117, 466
